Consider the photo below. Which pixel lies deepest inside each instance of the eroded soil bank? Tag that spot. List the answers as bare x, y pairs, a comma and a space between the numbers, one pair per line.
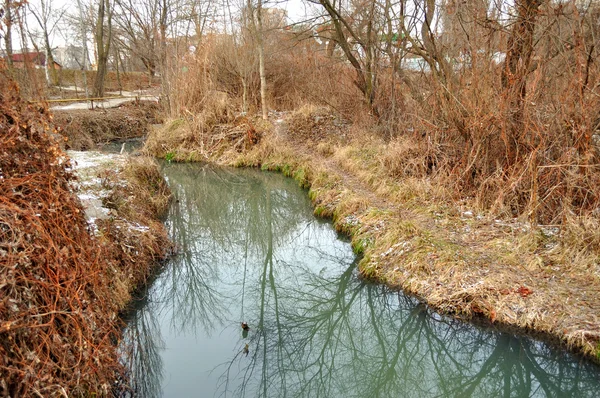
89, 129
413, 234
68, 271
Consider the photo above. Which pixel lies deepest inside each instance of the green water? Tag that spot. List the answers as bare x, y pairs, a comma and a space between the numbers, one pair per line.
250, 250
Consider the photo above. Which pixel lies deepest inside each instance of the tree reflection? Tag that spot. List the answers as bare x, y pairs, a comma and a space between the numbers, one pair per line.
250, 250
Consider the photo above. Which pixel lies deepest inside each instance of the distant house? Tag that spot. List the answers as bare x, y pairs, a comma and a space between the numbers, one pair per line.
36, 59
70, 57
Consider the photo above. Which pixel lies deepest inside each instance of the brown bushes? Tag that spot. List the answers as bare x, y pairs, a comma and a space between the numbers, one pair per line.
517, 136
53, 333
60, 287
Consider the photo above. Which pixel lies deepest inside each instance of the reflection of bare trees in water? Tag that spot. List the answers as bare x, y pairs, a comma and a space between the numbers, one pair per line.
142, 345
317, 332
217, 223
340, 337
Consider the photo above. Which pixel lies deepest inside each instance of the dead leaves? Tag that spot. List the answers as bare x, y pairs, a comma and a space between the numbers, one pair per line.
522, 291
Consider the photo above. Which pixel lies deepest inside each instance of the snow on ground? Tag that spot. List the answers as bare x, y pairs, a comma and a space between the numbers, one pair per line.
88, 165
110, 103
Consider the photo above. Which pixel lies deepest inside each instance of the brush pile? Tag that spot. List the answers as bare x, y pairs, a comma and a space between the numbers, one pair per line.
58, 299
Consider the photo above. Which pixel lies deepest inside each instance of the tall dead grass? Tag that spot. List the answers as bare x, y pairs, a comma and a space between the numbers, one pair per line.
531, 152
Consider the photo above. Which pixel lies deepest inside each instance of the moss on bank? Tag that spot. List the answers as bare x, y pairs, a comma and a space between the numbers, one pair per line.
416, 235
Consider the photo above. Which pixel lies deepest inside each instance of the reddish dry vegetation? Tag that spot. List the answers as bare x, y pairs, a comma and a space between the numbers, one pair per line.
58, 299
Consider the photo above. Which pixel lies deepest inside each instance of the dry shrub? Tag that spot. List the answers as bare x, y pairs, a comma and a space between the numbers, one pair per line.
145, 196
408, 157
86, 128
297, 73
61, 287
531, 153
315, 123
55, 296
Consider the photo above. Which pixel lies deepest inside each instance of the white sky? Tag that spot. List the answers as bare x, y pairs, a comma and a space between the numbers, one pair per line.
297, 11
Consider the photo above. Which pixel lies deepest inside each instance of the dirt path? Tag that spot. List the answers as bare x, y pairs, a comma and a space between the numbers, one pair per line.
349, 181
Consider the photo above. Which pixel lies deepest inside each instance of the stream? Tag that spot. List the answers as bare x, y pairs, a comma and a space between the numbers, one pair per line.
250, 250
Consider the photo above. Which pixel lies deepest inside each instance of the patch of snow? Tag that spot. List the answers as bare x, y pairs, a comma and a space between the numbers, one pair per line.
88, 159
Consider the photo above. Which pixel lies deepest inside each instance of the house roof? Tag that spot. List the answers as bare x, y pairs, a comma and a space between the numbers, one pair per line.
38, 58
35, 57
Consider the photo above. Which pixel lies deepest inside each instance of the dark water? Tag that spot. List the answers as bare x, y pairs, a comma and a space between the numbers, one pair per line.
251, 251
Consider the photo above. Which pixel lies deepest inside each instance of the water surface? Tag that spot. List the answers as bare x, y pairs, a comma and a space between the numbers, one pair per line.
251, 251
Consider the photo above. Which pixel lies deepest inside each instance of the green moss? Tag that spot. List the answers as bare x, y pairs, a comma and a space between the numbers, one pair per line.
170, 156
287, 170
359, 245
301, 176
320, 211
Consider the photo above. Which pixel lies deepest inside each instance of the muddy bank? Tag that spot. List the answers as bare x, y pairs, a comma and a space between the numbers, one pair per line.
416, 235
87, 129
64, 277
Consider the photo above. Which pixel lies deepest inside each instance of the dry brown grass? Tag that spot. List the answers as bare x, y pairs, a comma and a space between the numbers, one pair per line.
212, 131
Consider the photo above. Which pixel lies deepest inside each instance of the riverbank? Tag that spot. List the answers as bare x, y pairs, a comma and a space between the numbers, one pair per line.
68, 271
414, 233
85, 129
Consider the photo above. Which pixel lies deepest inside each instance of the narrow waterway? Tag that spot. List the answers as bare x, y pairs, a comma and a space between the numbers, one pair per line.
250, 250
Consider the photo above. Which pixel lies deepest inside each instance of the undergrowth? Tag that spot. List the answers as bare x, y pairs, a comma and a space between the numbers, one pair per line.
61, 285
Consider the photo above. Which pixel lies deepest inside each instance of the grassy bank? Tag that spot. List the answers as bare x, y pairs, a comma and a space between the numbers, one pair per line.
415, 233
64, 279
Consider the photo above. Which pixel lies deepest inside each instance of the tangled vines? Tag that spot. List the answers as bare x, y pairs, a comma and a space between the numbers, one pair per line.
57, 310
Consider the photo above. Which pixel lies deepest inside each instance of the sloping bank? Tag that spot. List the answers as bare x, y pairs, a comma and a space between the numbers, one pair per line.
410, 232
64, 280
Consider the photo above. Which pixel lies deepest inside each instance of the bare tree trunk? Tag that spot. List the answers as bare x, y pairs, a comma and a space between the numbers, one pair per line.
516, 68
438, 63
117, 67
244, 95
257, 31
261, 62
8, 20
84, 65
163, 56
102, 45
53, 78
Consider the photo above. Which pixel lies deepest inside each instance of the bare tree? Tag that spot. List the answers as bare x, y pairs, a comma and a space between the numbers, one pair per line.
256, 19
103, 36
8, 19
356, 31
47, 18
138, 30
518, 56
83, 31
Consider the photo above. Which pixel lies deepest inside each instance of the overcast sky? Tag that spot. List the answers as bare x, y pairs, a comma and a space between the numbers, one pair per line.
297, 11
